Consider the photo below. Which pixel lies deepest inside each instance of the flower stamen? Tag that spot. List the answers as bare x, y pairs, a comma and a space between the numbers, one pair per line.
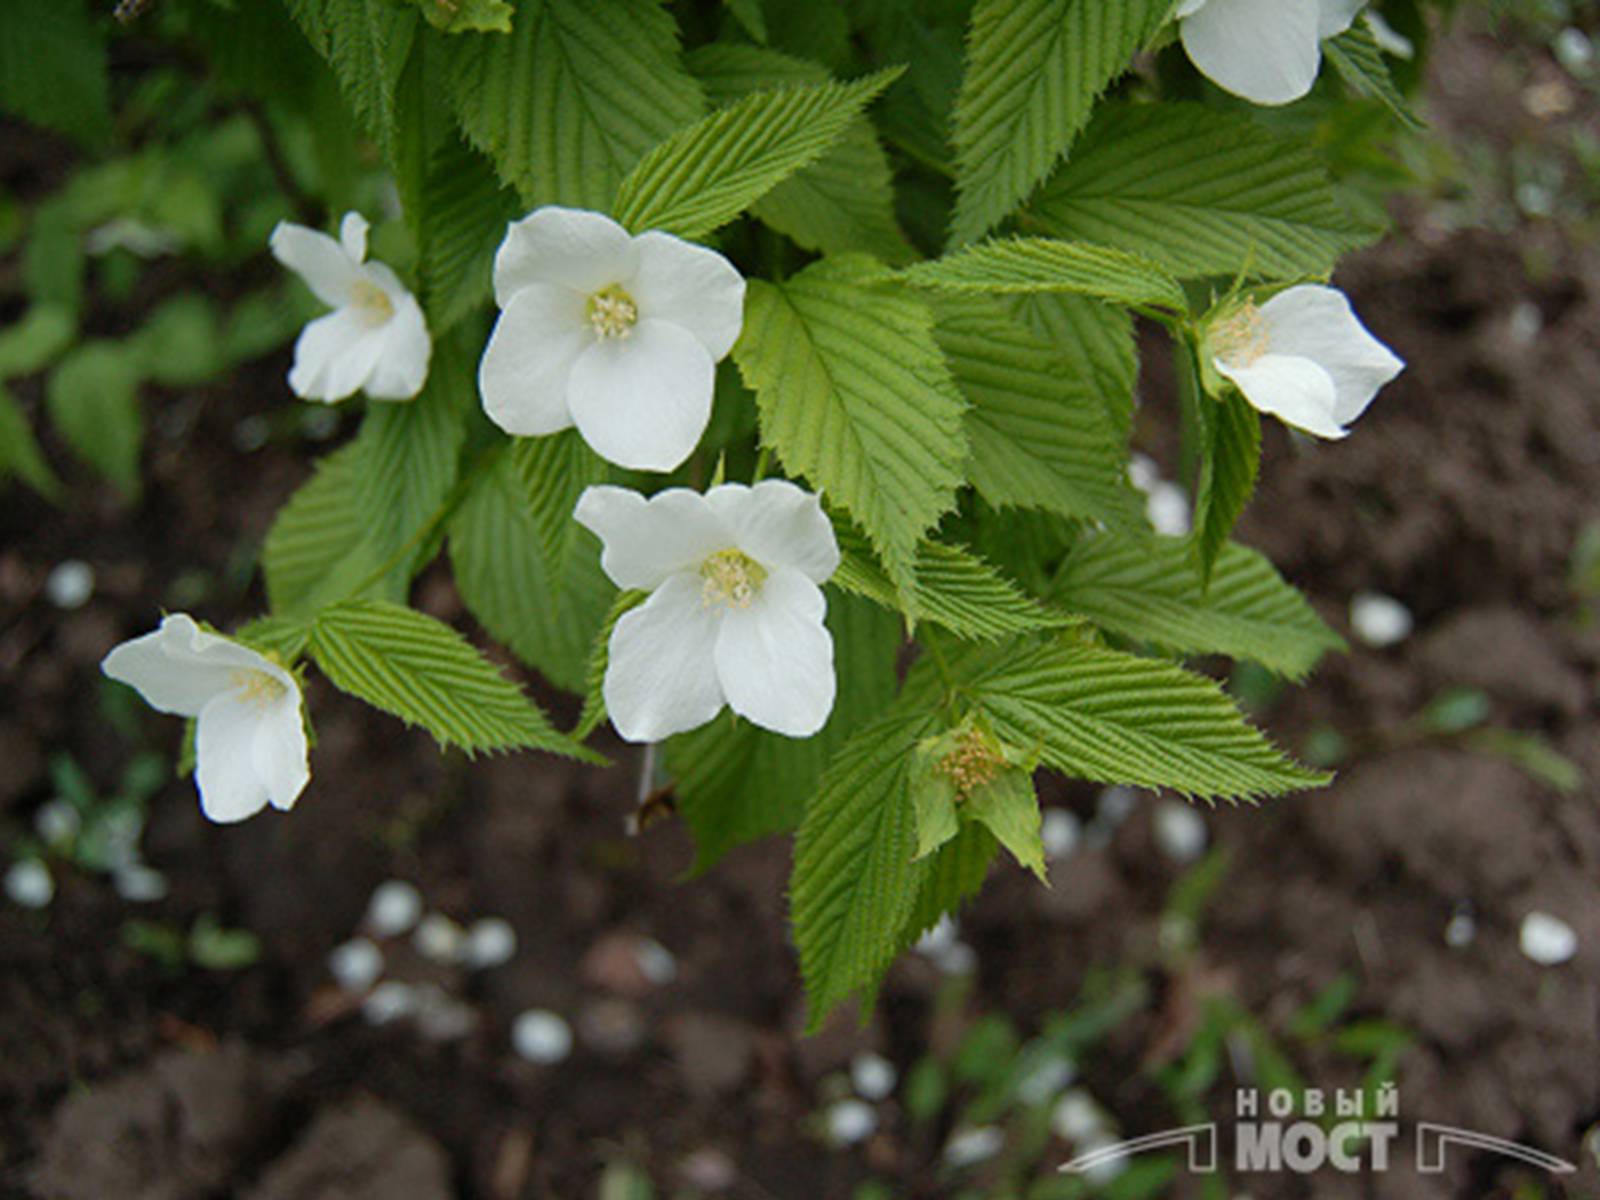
974, 762
258, 687
732, 578
372, 302
1241, 338
612, 313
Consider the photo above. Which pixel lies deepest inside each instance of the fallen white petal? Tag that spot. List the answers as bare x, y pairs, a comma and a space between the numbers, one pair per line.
356, 965
541, 1036
1179, 830
1379, 620
394, 908
1547, 940
849, 1122
873, 1076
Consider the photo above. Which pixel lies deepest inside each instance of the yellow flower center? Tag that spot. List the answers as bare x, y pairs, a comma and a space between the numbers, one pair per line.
974, 762
612, 312
1240, 339
258, 687
372, 302
731, 578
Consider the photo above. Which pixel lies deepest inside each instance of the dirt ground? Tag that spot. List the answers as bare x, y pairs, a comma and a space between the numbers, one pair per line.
1462, 493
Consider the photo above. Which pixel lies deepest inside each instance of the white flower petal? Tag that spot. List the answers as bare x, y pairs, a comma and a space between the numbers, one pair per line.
775, 658
645, 541
353, 236
281, 751
319, 260
661, 677
334, 356
1264, 50
180, 667
1295, 390
779, 525
403, 365
570, 246
1187, 8
690, 286
231, 786
526, 368
1335, 16
644, 400
1315, 322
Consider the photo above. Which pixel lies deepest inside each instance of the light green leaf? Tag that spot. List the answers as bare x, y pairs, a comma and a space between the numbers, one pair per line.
1199, 191
1041, 437
1009, 809
841, 203
1147, 588
854, 885
1097, 339
93, 399
408, 454
594, 698
573, 97
956, 870
1356, 55
53, 67
467, 16
422, 671
543, 597
1034, 71
736, 783
1231, 430
705, 176
1021, 265
35, 341
465, 214
953, 588
19, 450
284, 636
317, 551
1110, 717
366, 42
854, 394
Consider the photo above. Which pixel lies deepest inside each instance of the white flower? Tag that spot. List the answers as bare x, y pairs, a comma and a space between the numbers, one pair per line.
1268, 51
375, 339
735, 611
615, 334
1302, 357
250, 744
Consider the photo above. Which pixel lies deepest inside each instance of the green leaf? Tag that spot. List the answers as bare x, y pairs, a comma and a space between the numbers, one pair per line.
180, 345
1147, 588
854, 885
1034, 71
1200, 192
736, 783
465, 214
956, 870
541, 594
1231, 430
93, 398
952, 587
367, 43
594, 698
34, 342
750, 16
573, 97
1041, 437
706, 175
467, 16
284, 636
841, 203
855, 396
1097, 339
317, 551
408, 454
1110, 717
1021, 265
1358, 58
53, 67
422, 671
19, 450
